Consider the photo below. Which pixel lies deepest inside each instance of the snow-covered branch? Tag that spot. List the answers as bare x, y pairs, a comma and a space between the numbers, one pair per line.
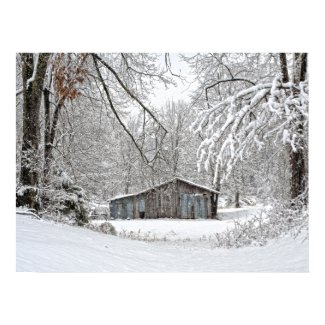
247, 119
32, 78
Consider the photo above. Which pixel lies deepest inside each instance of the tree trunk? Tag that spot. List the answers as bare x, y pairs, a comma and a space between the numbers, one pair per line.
297, 157
50, 132
33, 79
46, 95
216, 197
237, 205
297, 161
284, 67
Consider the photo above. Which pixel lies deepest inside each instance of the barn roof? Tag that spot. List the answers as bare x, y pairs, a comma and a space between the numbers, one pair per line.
161, 184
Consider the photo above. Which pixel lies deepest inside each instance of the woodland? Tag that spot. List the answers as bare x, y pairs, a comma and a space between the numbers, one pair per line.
87, 129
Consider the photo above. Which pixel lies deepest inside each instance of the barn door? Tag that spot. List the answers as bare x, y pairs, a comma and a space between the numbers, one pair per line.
141, 207
120, 210
183, 205
190, 206
187, 206
113, 210
200, 207
129, 209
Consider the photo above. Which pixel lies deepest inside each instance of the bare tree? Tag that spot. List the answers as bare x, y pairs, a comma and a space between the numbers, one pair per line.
33, 73
68, 71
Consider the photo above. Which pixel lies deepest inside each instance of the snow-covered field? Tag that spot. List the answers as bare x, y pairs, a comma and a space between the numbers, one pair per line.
44, 246
176, 229
172, 229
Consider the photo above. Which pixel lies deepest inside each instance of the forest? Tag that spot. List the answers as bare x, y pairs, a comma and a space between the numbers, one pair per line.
87, 128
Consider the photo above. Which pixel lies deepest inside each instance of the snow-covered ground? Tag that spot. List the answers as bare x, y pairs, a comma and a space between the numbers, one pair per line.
172, 229
44, 246
177, 229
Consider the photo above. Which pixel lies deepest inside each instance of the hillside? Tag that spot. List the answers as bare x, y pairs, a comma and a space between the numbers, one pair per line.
44, 246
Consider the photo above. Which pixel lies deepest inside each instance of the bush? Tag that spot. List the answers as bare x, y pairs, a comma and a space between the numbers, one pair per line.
66, 201
282, 219
27, 196
105, 228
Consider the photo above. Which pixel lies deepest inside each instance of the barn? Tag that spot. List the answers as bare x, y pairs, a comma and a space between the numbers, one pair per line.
177, 198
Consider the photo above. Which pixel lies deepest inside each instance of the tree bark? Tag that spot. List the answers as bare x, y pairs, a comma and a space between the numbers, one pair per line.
214, 205
46, 95
284, 67
33, 79
50, 132
297, 157
237, 205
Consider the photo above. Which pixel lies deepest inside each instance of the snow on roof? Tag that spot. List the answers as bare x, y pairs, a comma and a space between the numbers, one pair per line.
197, 185
161, 184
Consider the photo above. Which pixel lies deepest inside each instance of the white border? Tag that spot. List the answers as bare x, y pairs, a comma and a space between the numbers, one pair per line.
175, 26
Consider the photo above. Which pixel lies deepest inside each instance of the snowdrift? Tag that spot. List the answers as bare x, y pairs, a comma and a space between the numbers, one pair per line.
44, 246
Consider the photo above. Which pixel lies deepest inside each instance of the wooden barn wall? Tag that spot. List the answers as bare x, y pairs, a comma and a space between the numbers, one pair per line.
122, 208
173, 200
160, 202
196, 203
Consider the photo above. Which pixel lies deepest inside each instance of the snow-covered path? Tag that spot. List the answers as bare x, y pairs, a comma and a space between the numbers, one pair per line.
48, 247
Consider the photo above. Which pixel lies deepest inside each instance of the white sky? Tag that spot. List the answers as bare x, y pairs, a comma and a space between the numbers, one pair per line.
182, 90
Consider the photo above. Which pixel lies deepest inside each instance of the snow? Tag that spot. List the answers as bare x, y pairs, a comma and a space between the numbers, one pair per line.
173, 229
239, 213
32, 78
178, 229
43, 246
197, 185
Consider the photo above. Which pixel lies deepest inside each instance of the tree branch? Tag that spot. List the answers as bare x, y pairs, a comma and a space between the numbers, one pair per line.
114, 110
127, 90
223, 81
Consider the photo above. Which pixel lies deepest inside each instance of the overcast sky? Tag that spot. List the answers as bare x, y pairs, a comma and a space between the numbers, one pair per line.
182, 90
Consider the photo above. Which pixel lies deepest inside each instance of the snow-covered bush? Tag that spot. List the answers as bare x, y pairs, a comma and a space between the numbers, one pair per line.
223, 202
99, 211
247, 201
66, 201
146, 236
24, 192
280, 220
105, 228
227, 201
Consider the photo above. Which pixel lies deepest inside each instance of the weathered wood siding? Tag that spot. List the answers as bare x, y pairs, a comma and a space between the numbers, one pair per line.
160, 202
122, 208
195, 202
175, 199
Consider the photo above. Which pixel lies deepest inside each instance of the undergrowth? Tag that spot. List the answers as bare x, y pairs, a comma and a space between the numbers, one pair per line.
257, 231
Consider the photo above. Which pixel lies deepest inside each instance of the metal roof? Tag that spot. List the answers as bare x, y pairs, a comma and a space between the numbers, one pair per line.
161, 184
